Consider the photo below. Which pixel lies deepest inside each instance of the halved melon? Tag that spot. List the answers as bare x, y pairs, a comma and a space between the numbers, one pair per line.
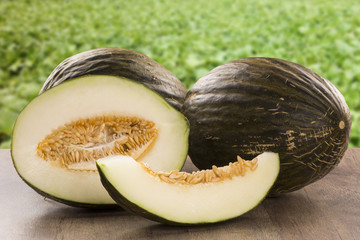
61, 133
181, 198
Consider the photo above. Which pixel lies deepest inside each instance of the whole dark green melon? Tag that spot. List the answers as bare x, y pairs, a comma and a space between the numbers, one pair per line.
121, 63
253, 105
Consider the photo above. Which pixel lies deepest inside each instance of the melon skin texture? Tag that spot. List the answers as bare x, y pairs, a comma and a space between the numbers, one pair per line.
134, 189
90, 97
122, 63
253, 105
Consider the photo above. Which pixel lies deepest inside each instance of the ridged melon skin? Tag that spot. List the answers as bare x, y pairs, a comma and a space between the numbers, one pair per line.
252, 105
122, 63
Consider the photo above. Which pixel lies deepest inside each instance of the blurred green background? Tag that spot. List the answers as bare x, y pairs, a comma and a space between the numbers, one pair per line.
187, 37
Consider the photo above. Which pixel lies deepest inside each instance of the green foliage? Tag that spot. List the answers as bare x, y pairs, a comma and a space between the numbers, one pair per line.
187, 37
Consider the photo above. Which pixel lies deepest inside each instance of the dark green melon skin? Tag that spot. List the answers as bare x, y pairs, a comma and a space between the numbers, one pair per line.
252, 105
122, 63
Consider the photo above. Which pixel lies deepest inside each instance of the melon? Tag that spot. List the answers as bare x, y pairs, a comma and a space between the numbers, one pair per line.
62, 132
252, 105
181, 198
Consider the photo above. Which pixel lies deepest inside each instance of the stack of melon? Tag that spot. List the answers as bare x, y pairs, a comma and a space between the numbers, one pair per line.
112, 126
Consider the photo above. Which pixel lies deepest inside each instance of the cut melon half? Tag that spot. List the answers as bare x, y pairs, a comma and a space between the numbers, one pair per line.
61, 133
181, 198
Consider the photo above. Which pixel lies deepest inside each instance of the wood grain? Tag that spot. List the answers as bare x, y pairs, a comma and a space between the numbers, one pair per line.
327, 209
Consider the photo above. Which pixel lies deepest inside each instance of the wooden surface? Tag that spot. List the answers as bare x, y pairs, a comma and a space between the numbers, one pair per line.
327, 209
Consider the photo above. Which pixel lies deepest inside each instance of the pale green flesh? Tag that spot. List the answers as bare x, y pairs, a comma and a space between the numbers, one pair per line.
88, 97
190, 203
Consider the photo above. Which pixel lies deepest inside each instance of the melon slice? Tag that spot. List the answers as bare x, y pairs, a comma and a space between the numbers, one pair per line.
61, 133
181, 198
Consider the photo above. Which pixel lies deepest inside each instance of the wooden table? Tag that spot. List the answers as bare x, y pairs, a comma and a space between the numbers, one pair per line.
327, 209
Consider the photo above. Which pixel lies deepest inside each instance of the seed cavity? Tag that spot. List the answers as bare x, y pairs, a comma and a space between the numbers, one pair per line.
216, 174
78, 144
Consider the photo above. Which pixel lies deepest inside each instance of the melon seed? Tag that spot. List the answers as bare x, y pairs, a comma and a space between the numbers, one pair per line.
215, 174
78, 144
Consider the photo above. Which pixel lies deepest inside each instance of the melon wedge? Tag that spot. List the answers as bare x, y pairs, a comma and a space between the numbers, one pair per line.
151, 194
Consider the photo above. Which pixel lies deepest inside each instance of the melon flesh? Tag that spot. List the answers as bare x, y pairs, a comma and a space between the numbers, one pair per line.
92, 97
134, 188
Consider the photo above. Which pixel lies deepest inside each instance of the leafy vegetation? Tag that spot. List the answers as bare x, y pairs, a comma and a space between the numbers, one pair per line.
187, 37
